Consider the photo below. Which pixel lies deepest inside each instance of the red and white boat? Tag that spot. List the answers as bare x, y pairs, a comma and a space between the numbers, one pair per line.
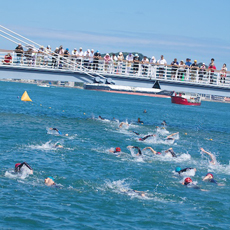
185, 99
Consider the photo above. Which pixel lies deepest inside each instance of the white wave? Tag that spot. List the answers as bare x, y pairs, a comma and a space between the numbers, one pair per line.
24, 172
162, 131
121, 187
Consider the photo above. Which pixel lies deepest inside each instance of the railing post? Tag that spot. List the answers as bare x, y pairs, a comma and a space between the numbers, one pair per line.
197, 75
218, 79
166, 71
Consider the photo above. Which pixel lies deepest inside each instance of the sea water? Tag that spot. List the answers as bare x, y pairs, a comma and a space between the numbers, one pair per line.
96, 187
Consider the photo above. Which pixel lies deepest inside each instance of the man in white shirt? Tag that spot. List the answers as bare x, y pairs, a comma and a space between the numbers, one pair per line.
162, 63
145, 65
86, 58
80, 55
129, 59
91, 55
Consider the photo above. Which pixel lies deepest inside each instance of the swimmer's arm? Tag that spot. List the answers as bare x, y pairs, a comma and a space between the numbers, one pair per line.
153, 151
213, 160
172, 135
28, 166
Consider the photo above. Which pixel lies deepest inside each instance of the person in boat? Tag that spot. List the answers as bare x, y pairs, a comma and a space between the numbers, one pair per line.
136, 147
170, 137
123, 123
18, 167
117, 150
181, 171
139, 121
55, 129
213, 159
146, 137
152, 150
170, 150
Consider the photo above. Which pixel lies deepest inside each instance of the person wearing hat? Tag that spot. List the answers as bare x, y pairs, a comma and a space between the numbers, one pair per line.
19, 51
120, 59
193, 70
136, 62
107, 60
40, 56
96, 57
145, 65
91, 55
55, 58
202, 72
181, 171
49, 181
129, 60
152, 150
117, 150
19, 167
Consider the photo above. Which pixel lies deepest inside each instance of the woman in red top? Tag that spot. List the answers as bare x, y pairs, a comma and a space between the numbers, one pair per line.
7, 59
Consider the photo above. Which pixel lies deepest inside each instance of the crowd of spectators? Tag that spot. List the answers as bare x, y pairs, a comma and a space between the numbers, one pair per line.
90, 59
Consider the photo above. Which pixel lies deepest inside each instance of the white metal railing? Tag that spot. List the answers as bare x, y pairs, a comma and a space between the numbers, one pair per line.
101, 67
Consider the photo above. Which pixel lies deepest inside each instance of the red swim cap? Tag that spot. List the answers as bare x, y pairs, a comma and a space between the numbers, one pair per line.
158, 153
210, 175
118, 149
140, 139
16, 165
187, 180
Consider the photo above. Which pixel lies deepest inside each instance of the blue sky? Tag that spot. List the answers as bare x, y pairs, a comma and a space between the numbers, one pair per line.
198, 29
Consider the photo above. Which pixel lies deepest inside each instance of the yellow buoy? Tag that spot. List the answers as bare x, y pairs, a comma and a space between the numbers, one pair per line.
25, 97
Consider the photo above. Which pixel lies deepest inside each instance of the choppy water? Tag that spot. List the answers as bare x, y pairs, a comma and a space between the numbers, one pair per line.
96, 186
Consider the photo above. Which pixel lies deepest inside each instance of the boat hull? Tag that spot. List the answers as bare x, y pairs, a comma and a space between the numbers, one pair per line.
183, 101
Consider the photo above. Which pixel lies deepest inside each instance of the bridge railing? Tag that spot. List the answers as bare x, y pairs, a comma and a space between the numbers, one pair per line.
122, 68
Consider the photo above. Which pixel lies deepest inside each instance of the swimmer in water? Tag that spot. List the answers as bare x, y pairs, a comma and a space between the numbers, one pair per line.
145, 111
117, 150
18, 167
213, 159
180, 171
210, 178
170, 137
135, 147
123, 123
58, 145
49, 181
55, 129
170, 150
140, 193
139, 121
152, 150
163, 123
135, 132
101, 118
189, 183
145, 137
